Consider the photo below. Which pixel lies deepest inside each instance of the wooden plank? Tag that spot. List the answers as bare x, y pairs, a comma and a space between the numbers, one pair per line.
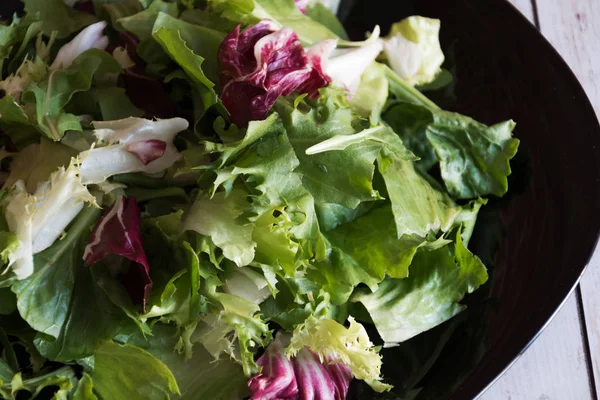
591, 308
525, 6
553, 367
573, 27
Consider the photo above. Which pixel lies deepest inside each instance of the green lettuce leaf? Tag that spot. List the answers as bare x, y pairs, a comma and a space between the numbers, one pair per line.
372, 93
351, 346
283, 12
410, 122
34, 164
55, 299
474, 158
322, 14
63, 380
344, 177
203, 42
191, 63
52, 95
16, 124
200, 376
85, 389
216, 217
438, 280
141, 23
419, 206
57, 16
128, 372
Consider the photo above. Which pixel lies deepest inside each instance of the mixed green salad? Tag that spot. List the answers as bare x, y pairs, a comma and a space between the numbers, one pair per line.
218, 199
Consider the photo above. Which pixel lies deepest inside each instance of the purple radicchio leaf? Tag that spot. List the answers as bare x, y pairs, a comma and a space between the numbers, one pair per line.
118, 232
262, 63
302, 5
148, 150
303, 377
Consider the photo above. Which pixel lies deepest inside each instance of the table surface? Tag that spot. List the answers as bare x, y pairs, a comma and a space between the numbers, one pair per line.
564, 362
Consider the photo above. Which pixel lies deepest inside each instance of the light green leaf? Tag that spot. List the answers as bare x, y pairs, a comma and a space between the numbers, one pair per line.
351, 346
216, 217
343, 177
413, 49
52, 95
141, 23
419, 207
15, 123
474, 158
85, 389
114, 104
322, 14
199, 377
372, 93
55, 15
439, 279
128, 372
203, 42
191, 63
63, 379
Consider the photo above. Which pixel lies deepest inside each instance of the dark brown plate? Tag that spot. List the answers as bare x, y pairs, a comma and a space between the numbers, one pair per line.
538, 239
506, 69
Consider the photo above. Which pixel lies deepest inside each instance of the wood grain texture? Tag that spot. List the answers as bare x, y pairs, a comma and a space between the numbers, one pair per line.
573, 27
553, 368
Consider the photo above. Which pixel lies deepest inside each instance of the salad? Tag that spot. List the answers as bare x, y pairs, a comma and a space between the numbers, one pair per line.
223, 199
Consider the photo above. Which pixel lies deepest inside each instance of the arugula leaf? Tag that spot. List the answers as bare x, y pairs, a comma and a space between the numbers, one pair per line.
439, 279
474, 158
128, 372
57, 16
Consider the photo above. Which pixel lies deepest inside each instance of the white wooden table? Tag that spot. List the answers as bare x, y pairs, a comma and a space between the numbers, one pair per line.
564, 362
